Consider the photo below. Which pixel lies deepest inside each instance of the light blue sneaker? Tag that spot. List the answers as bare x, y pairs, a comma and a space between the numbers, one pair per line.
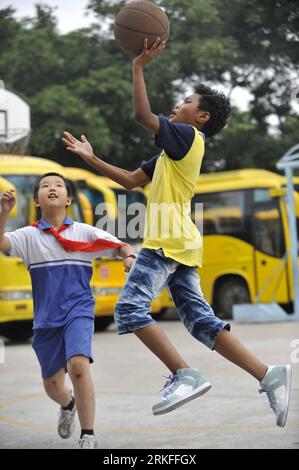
180, 388
277, 385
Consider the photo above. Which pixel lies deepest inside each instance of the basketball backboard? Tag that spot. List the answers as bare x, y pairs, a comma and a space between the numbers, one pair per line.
15, 127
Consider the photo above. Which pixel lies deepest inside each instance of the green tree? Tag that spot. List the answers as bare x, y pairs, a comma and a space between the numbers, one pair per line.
81, 81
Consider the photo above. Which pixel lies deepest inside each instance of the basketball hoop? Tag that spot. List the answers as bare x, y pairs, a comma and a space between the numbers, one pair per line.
15, 129
15, 143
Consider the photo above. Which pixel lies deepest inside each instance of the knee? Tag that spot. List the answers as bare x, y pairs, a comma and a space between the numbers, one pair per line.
77, 367
52, 386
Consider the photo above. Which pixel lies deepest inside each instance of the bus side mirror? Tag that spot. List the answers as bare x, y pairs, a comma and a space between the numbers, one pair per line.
277, 192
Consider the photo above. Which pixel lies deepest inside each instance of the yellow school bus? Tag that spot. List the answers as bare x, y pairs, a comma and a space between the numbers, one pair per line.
246, 238
16, 306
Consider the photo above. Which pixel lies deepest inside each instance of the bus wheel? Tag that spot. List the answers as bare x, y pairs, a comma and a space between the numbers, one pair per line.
101, 323
229, 293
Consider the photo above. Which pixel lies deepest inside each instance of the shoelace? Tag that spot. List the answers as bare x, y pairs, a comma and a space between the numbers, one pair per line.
169, 385
87, 443
271, 397
66, 416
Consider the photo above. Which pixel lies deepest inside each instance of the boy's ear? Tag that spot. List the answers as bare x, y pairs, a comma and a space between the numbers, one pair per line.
36, 203
202, 117
68, 202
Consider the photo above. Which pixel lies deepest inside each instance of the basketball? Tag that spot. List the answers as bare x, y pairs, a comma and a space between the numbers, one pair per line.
139, 20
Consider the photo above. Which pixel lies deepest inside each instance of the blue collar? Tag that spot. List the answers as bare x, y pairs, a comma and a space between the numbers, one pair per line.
43, 224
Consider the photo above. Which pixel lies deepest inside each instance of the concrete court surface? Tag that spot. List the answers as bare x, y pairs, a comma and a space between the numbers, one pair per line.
232, 415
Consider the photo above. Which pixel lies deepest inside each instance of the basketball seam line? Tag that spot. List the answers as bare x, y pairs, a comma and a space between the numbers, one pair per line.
147, 14
135, 30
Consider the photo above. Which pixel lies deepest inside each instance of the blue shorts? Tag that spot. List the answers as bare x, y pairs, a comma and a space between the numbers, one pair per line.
55, 346
152, 272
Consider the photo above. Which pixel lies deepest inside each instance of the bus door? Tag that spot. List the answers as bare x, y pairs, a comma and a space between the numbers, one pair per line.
272, 282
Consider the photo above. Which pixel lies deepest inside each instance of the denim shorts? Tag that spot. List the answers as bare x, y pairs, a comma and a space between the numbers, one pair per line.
55, 346
152, 272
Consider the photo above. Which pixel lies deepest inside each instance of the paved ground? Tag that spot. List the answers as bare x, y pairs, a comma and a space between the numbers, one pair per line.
127, 379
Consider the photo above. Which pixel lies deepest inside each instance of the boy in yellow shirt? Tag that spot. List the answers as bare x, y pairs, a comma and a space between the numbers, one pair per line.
172, 248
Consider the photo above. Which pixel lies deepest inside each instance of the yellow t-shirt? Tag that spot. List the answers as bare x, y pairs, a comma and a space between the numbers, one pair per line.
168, 222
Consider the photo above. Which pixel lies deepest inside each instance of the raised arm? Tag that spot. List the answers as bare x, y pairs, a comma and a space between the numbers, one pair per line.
142, 110
143, 114
7, 203
127, 179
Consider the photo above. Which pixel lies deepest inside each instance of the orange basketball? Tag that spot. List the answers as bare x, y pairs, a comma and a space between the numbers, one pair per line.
139, 20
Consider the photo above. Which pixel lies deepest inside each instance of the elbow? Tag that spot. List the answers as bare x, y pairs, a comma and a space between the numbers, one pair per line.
130, 182
129, 185
137, 117
140, 117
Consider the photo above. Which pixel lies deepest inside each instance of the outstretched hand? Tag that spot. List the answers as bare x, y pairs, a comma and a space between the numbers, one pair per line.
148, 54
80, 147
7, 201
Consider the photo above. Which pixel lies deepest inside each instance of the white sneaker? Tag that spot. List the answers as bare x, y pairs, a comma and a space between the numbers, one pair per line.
277, 385
88, 442
180, 388
66, 422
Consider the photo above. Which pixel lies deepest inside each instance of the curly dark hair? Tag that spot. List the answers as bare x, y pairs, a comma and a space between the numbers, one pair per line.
217, 104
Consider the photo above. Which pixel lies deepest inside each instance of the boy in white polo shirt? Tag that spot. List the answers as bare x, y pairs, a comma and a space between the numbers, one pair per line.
58, 253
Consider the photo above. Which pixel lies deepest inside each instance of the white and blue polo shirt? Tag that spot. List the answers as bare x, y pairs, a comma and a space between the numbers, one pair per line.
60, 279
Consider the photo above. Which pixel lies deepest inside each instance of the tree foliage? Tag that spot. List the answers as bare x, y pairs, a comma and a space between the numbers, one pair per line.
81, 81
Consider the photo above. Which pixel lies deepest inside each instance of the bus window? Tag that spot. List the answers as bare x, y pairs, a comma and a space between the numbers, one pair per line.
131, 197
124, 199
261, 195
94, 197
267, 224
223, 213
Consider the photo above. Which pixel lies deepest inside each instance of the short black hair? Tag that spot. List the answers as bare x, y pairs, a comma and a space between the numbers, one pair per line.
217, 104
66, 182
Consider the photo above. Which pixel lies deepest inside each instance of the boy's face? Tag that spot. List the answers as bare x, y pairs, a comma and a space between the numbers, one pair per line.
52, 193
188, 112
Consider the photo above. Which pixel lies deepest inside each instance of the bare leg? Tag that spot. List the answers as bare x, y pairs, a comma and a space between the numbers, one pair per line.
79, 371
232, 349
57, 390
156, 340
